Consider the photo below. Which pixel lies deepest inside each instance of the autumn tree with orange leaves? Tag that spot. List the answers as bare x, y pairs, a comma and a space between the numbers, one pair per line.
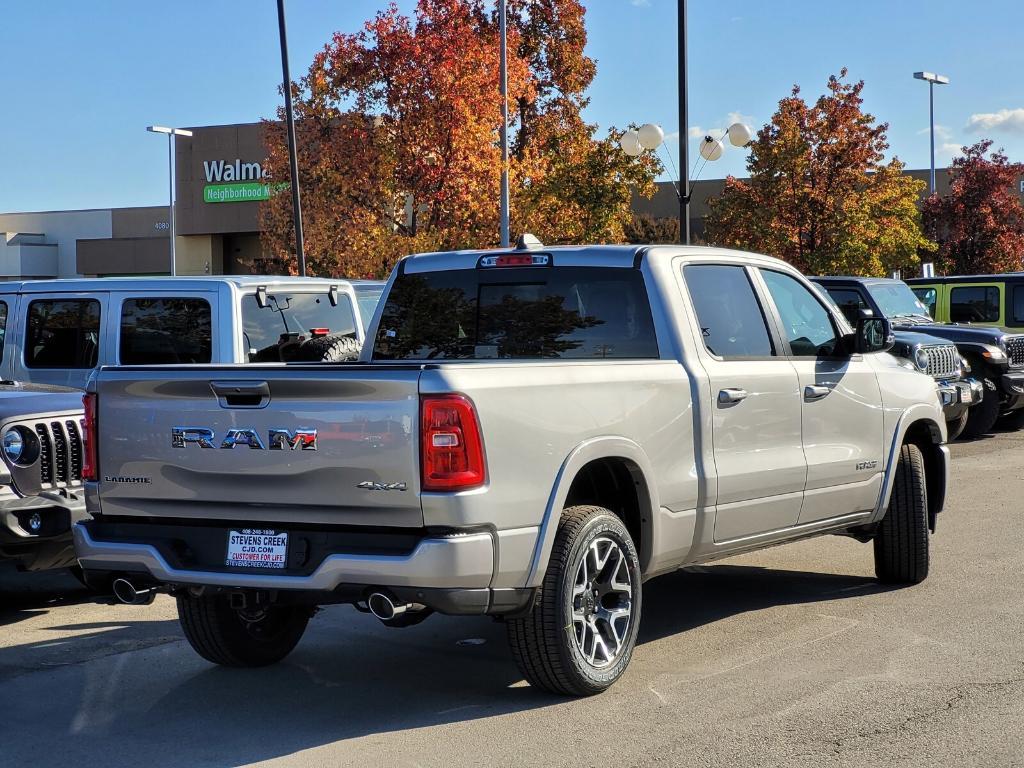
398, 139
820, 195
979, 224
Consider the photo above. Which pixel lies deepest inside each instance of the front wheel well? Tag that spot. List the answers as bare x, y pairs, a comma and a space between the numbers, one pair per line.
617, 484
927, 436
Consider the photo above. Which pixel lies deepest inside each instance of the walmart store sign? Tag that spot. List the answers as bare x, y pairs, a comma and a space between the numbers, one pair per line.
236, 182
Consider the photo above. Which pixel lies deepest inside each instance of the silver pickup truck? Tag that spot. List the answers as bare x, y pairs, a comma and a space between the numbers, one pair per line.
530, 435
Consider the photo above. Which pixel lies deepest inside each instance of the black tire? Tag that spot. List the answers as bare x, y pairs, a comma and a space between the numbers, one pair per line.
219, 633
548, 643
955, 427
336, 348
901, 544
982, 416
1012, 420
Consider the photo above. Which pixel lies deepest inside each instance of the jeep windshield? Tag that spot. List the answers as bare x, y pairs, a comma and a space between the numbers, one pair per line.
517, 312
898, 301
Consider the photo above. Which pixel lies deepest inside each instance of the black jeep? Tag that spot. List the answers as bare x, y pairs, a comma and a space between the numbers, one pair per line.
995, 359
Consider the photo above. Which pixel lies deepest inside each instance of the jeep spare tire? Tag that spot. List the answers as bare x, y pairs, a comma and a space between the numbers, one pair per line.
336, 348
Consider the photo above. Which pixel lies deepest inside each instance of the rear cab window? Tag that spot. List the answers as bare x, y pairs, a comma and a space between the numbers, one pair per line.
275, 330
165, 331
549, 312
62, 333
974, 304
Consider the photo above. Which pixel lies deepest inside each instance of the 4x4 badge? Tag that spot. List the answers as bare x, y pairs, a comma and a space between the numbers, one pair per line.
370, 485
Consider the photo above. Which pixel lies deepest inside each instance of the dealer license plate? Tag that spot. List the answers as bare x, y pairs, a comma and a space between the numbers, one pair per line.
257, 548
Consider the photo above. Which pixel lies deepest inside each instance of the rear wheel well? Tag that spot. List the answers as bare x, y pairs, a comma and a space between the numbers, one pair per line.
927, 436
616, 484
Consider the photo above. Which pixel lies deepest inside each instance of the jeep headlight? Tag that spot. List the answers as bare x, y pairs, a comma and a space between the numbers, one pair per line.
995, 354
921, 359
14, 445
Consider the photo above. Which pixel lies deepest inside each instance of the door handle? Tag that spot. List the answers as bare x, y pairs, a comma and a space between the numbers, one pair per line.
731, 395
241, 394
815, 392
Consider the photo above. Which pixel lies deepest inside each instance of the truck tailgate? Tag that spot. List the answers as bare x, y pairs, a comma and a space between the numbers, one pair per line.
226, 443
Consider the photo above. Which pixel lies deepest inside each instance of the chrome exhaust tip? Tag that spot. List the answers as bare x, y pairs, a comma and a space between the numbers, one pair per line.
384, 608
127, 593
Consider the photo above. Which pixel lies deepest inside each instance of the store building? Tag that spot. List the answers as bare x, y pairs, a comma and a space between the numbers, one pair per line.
220, 181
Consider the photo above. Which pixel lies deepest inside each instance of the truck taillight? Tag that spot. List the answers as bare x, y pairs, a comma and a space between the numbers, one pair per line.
452, 448
90, 469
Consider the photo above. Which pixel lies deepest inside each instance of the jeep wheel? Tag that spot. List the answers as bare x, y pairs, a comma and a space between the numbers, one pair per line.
579, 637
955, 427
901, 544
982, 416
233, 638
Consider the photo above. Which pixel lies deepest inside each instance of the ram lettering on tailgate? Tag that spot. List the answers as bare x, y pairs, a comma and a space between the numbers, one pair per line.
277, 439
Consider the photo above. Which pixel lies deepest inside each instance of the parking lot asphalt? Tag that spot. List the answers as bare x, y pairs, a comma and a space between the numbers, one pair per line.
793, 656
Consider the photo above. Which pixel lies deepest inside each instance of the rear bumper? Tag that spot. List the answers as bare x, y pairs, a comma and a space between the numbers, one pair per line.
461, 561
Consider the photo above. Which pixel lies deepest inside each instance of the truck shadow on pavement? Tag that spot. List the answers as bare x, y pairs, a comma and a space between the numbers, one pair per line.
350, 677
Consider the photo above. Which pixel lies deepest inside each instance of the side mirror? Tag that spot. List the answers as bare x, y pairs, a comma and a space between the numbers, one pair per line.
873, 334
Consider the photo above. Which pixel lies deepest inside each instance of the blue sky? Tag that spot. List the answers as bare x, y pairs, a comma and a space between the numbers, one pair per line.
82, 80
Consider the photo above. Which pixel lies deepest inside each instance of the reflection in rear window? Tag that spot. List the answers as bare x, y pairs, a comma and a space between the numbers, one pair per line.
288, 319
62, 333
974, 304
532, 312
163, 331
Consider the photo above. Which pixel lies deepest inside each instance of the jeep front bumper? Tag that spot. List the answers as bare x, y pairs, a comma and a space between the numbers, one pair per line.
36, 530
958, 396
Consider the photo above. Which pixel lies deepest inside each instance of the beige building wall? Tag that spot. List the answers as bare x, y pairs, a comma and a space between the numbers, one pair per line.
199, 254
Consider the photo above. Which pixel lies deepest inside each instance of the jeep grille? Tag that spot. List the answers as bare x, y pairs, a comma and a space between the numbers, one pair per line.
1015, 350
943, 362
60, 453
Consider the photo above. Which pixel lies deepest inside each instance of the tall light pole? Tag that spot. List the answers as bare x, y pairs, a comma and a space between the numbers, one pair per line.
684, 135
932, 79
503, 87
293, 159
171, 133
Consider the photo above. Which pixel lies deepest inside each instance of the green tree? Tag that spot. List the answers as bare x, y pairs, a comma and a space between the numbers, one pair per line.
820, 194
979, 225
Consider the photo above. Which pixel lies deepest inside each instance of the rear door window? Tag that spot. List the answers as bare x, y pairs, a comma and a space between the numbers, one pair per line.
3, 327
274, 332
731, 320
1018, 305
929, 297
849, 301
517, 313
62, 333
163, 331
974, 304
